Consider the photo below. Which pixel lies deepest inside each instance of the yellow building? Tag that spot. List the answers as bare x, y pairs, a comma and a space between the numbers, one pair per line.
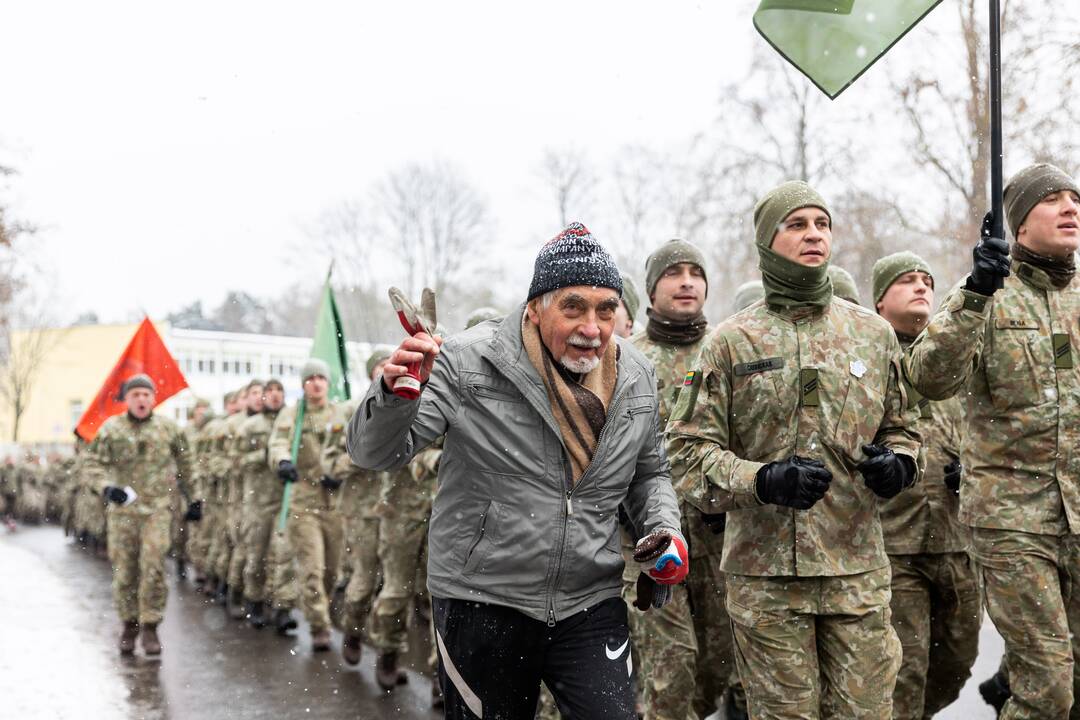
59, 371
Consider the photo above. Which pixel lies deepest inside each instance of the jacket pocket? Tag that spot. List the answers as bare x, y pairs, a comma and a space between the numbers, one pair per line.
759, 419
483, 540
1014, 376
860, 418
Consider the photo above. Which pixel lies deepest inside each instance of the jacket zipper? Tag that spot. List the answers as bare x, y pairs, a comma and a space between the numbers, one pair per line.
570, 487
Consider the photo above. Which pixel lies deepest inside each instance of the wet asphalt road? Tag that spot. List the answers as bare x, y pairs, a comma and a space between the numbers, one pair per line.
58, 657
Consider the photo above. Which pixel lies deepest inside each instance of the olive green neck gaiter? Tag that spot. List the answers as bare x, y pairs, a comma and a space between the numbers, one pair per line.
790, 285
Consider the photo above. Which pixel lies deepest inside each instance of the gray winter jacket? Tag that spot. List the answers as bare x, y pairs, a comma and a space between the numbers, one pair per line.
506, 526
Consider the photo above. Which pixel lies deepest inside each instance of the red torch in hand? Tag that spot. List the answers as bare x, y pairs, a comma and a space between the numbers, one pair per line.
414, 321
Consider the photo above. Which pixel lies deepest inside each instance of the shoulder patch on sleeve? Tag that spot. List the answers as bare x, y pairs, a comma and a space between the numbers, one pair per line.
684, 407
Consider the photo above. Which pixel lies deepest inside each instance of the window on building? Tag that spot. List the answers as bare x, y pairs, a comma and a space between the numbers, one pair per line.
202, 365
76, 412
210, 366
247, 366
236, 367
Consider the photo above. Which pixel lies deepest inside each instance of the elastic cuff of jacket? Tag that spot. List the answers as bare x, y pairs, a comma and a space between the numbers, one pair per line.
387, 399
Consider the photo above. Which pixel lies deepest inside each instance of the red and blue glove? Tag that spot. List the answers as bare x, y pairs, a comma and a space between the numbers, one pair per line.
663, 556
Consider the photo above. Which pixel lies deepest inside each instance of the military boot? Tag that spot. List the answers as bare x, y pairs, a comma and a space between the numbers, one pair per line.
283, 621
127, 638
256, 614
149, 639
320, 640
181, 569
437, 701
351, 649
236, 605
200, 582
387, 673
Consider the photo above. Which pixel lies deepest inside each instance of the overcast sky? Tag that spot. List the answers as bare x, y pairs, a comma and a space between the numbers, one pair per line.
172, 155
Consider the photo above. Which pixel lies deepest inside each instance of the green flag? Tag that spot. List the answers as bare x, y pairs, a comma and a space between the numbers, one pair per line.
329, 344
833, 42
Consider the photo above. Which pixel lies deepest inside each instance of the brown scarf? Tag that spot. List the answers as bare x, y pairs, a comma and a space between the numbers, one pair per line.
1059, 270
675, 332
579, 406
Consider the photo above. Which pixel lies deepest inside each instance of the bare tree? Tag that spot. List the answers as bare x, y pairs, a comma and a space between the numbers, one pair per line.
946, 112
568, 175
22, 351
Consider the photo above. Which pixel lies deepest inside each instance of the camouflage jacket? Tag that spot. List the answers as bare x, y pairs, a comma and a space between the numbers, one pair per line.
1015, 360
406, 493
770, 385
671, 363
925, 518
360, 493
318, 425
148, 456
259, 484
200, 442
232, 453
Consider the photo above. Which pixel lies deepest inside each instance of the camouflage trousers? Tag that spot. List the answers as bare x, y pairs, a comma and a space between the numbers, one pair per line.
283, 577
90, 512
815, 647
238, 531
402, 548
362, 558
715, 668
224, 542
317, 536
936, 612
138, 543
259, 561
1029, 582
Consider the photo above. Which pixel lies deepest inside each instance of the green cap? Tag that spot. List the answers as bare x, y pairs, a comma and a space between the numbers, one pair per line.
141, 380
780, 202
377, 356
748, 294
313, 367
891, 267
630, 297
480, 315
671, 253
1029, 186
843, 284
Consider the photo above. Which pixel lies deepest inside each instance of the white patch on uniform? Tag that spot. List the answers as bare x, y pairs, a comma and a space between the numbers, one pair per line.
629, 664
857, 367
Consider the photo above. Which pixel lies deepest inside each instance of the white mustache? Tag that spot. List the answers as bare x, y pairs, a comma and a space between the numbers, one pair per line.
580, 341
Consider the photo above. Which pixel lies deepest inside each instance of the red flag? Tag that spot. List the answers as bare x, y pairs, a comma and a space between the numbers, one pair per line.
146, 353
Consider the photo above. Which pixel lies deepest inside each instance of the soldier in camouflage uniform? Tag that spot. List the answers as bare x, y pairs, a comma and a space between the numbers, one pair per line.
212, 485
253, 405
1013, 356
844, 285
935, 595
629, 304
261, 500
140, 464
183, 517
791, 401
747, 294
359, 497
316, 530
404, 510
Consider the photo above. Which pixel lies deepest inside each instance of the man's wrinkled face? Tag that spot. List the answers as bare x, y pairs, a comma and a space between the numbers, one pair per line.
273, 398
140, 402
254, 399
680, 292
315, 388
624, 324
1052, 228
908, 301
576, 324
376, 372
805, 237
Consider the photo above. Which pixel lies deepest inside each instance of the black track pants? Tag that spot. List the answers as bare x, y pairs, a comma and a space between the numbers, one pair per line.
492, 659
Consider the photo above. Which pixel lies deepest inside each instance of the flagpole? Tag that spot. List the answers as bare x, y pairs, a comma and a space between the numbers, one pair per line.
298, 428
996, 149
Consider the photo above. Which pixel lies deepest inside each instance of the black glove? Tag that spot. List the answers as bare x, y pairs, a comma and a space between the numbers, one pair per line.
329, 482
796, 482
990, 261
651, 594
287, 472
953, 472
115, 494
194, 512
716, 522
885, 472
